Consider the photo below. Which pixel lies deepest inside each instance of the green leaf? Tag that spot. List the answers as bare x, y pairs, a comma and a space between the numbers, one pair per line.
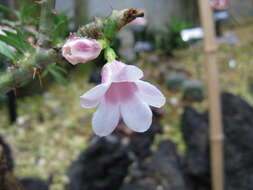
29, 13
22, 39
60, 69
8, 10
57, 73
11, 41
44, 73
60, 29
16, 40
7, 51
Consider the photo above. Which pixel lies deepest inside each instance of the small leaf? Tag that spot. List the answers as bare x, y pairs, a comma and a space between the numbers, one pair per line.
16, 40
7, 51
29, 13
60, 69
12, 42
8, 10
60, 29
57, 73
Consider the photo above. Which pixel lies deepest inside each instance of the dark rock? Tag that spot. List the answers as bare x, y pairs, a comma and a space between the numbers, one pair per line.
175, 81
140, 143
8, 154
238, 151
238, 129
95, 78
7, 180
102, 166
34, 184
195, 133
162, 170
193, 91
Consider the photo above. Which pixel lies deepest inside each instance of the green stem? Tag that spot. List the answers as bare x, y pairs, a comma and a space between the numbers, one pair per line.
110, 54
13, 77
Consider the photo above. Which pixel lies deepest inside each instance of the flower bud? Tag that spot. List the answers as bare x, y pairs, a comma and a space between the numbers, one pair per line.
80, 50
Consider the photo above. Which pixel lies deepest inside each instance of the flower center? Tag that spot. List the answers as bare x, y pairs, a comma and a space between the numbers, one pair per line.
120, 92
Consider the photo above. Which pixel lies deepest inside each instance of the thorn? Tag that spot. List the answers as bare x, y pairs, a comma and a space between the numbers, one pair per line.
40, 80
34, 72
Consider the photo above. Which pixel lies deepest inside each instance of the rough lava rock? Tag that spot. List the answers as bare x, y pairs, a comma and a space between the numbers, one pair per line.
33, 183
194, 127
238, 149
161, 171
102, 166
8, 154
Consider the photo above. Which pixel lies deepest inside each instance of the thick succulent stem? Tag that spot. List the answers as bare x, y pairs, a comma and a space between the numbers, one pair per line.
45, 55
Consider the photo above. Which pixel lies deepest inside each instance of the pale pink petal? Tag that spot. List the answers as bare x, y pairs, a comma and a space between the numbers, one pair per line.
117, 71
91, 98
150, 94
129, 73
111, 69
80, 50
120, 92
136, 114
106, 118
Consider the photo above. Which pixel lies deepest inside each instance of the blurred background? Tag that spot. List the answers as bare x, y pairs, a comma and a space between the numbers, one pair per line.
47, 137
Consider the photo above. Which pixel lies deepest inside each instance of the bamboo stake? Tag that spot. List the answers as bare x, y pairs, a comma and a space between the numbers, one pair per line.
215, 120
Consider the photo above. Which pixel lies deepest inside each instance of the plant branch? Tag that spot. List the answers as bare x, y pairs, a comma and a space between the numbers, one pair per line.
121, 18
13, 77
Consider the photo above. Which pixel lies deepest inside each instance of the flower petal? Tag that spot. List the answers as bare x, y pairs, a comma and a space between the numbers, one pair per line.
91, 98
106, 118
117, 71
150, 94
77, 50
136, 114
111, 69
129, 73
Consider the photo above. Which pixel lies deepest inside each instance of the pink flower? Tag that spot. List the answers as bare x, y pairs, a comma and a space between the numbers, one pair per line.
80, 50
140, 21
122, 95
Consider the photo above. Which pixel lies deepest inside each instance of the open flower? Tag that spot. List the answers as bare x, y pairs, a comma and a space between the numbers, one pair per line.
122, 95
80, 50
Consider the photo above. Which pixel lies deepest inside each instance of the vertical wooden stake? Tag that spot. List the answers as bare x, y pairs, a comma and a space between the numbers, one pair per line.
215, 120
